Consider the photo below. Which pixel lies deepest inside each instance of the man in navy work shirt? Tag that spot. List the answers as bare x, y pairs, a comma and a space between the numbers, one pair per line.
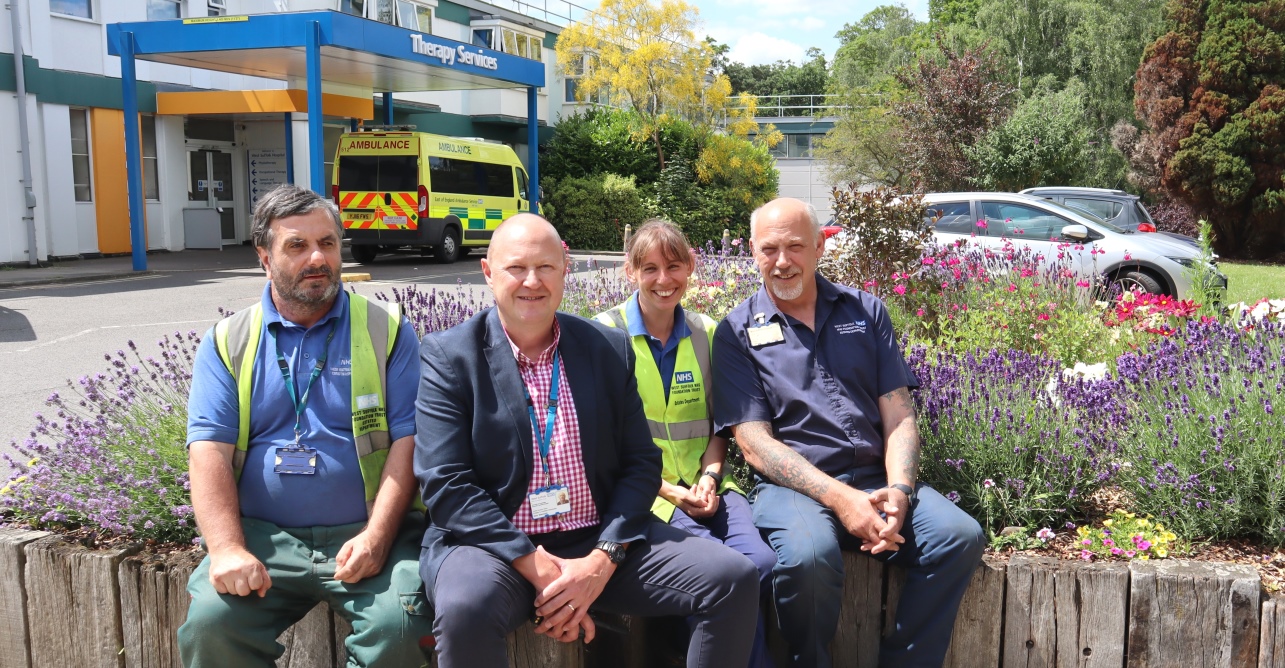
301, 431
809, 379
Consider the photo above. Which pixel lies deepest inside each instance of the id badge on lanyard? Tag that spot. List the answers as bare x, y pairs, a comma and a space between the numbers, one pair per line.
297, 458
554, 498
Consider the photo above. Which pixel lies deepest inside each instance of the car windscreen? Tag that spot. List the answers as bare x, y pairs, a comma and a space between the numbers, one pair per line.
1087, 216
1143, 213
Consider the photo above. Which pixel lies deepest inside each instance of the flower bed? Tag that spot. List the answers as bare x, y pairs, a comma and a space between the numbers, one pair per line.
1042, 406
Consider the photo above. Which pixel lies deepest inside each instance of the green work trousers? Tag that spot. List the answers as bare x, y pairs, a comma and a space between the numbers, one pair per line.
388, 612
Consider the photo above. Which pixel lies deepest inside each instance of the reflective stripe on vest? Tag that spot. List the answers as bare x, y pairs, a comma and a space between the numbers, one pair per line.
681, 426
372, 326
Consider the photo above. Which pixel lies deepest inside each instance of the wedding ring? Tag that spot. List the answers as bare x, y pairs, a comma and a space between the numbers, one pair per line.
572, 608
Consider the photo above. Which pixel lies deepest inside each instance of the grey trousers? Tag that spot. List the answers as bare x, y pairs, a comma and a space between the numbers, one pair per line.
479, 599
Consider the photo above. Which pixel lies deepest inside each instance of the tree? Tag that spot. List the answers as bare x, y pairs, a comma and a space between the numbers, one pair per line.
1210, 93
780, 78
947, 12
1044, 143
951, 102
863, 146
646, 56
871, 50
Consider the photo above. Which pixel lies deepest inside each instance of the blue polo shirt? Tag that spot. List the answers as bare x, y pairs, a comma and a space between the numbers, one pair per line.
336, 494
665, 353
819, 389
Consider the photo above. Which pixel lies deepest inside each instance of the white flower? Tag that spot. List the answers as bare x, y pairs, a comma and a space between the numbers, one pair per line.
1046, 534
1086, 371
1260, 310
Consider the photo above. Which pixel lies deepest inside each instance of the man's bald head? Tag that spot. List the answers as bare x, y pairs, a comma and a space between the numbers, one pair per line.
785, 209
523, 228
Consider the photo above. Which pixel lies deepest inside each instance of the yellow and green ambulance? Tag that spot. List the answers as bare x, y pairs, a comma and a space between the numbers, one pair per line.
401, 188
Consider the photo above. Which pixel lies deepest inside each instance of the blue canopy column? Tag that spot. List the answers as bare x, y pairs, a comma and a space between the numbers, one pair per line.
533, 146
133, 153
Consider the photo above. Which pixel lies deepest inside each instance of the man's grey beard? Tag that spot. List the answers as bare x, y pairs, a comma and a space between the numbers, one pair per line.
785, 293
302, 299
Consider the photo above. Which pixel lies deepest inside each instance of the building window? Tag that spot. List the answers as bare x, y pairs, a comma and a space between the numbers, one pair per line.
216, 8
80, 174
415, 16
151, 171
159, 10
385, 11
81, 8
509, 41
570, 84
354, 7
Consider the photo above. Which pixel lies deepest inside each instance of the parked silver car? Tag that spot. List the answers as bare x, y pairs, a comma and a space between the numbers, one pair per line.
1155, 263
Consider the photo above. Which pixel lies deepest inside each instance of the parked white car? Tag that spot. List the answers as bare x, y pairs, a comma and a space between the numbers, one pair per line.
1151, 262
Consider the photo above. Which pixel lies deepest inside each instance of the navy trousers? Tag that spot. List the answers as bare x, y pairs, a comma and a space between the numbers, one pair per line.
942, 550
479, 599
733, 525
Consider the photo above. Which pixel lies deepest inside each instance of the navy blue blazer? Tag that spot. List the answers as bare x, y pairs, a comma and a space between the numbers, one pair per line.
473, 443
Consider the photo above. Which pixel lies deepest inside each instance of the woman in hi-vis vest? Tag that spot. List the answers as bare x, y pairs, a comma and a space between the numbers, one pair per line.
672, 347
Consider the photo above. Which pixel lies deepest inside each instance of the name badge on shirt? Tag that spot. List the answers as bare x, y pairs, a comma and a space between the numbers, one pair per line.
550, 501
765, 334
296, 460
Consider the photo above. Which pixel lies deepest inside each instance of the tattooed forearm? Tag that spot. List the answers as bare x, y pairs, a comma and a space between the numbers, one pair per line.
778, 462
902, 449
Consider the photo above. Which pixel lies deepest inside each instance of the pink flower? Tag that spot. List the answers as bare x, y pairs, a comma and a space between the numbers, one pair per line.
1045, 534
930, 261
981, 224
736, 242
1043, 316
919, 312
1117, 551
1127, 257
1129, 553
1086, 541
1081, 284
900, 289
1086, 555
1012, 288
1108, 542
988, 483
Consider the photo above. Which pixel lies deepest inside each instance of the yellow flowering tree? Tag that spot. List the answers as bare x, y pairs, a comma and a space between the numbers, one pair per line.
645, 56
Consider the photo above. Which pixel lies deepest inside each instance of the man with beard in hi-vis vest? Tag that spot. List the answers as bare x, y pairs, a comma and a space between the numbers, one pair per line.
301, 430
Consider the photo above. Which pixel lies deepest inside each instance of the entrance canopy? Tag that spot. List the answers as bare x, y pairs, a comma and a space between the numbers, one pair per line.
309, 48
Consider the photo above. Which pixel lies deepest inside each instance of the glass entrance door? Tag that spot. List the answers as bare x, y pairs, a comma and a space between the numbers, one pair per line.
210, 183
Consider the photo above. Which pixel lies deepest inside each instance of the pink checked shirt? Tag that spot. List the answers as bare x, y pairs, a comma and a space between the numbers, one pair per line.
565, 460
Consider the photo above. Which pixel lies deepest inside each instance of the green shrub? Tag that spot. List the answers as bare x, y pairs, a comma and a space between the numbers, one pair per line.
591, 212
603, 140
703, 212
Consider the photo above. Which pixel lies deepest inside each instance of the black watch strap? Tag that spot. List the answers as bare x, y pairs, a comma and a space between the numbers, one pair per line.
718, 479
615, 551
905, 489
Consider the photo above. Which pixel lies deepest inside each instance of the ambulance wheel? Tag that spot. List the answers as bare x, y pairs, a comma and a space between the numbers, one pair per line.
449, 250
364, 254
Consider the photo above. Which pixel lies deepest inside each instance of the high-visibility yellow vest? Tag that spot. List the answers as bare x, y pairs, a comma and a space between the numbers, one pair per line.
681, 426
373, 327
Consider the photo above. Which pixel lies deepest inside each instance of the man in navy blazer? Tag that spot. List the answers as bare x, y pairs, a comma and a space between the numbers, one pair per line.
538, 471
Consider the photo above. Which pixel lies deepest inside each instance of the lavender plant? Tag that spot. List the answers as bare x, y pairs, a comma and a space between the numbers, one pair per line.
112, 458
1206, 448
1010, 447
436, 310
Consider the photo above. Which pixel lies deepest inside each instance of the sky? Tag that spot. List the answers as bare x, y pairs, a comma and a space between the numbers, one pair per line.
764, 31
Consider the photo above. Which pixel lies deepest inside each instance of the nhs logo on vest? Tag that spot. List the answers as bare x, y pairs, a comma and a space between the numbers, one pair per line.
681, 377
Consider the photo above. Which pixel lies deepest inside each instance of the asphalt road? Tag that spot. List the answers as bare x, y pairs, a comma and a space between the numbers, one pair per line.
50, 334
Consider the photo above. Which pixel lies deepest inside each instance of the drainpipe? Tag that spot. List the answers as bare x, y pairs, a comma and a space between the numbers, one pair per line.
30, 217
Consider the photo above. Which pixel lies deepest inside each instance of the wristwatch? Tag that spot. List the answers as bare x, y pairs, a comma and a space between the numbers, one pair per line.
718, 479
615, 551
905, 489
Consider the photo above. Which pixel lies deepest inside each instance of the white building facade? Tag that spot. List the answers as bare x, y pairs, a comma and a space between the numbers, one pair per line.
211, 140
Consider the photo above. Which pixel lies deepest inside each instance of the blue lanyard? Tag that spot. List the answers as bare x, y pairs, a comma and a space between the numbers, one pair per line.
300, 401
545, 438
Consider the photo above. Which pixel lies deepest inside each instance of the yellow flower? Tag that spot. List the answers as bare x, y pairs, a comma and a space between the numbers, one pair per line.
1082, 531
1170, 536
1144, 524
1130, 515
1161, 552
1107, 523
1144, 557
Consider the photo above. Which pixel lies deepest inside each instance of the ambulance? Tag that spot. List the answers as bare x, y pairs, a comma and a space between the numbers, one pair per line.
397, 188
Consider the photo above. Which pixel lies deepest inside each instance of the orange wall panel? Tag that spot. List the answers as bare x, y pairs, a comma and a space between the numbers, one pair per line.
111, 199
